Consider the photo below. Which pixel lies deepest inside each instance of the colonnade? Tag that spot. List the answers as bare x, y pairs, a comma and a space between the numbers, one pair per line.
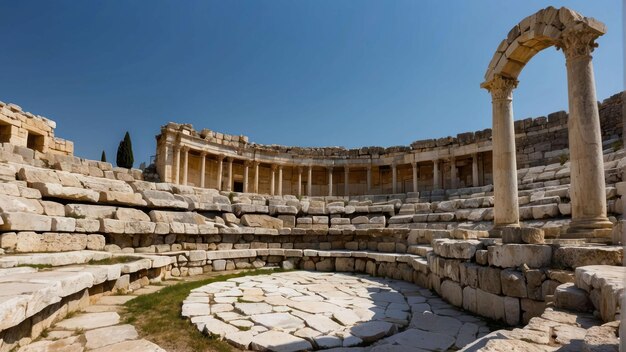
224, 177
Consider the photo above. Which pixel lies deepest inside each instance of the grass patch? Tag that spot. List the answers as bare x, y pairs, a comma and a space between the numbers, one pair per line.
114, 260
157, 317
37, 266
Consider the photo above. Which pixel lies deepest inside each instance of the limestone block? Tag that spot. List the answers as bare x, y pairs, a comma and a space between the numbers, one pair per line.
52, 208
452, 292
469, 299
130, 214
162, 199
177, 216
63, 224
570, 297
25, 222
34, 175
513, 283
465, 234
85, 211
95, 242
54, 190
112, 226
512, 311
456, 248
514, 255
124, 198
139, 227
264, 221
545, 211
87, 225
489, 279
528, 235
578, 256
9, 204
490, 305
344, 264
468, 274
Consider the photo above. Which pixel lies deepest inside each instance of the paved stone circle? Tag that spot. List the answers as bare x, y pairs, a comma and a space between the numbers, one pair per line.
301, 310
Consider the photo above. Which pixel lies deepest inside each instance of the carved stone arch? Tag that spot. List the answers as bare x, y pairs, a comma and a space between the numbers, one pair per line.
575, 35
546, 28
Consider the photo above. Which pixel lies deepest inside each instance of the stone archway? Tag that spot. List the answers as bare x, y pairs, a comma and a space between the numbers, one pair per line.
575, 35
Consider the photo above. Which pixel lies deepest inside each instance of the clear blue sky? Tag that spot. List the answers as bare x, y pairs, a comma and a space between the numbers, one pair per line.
307, 73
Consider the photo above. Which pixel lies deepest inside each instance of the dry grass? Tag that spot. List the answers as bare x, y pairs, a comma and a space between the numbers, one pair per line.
157, 317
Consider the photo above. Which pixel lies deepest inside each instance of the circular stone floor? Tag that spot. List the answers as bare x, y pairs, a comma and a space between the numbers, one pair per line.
303, 310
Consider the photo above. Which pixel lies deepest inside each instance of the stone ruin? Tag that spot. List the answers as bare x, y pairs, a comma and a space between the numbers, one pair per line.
424, 247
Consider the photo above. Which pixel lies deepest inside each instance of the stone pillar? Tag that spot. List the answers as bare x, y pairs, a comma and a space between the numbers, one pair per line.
256, 177
369, 179
414, 166
185, 164
177, 165
220, 171
299, 180
280, 180
506, 208
202, 169
587, 186
272, 179
394, 178
453, 181
229, 186
346, 181
475, 170
330, 181
309, 182
436, 178
246, 165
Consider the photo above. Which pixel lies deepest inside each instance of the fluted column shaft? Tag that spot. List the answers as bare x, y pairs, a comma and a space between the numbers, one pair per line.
436, 177
220, 171
587, 187
309, 181
506, 208
299, 180
256, 177
246, 166
280, 180
202, 169
330, 181
272, 179
414, 166
185, 165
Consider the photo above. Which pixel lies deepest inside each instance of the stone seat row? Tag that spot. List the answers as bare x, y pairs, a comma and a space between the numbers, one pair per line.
25, 291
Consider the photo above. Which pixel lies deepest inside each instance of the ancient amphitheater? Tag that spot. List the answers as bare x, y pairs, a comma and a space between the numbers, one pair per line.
506, 239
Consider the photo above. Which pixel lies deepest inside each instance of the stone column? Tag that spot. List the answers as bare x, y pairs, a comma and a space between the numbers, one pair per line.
436, 178
185, 164
220, 171
280, 180
177, 165
246, 165
414, 166
299, 180
202, 168
256, 177
587, 186
229, 186
506, 208
453, 183
346, 181
475, 170
309, 182
394, 178
272, 179
330, 181
369, 179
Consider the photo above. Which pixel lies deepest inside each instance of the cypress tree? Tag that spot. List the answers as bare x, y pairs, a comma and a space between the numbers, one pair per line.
103, 158
125, 152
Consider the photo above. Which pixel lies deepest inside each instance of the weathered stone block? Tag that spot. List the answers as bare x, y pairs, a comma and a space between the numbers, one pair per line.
514, 255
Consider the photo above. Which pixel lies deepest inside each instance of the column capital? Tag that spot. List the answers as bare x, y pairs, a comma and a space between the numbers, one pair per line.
204, 153
299, 168
185, 148
220, 157
579, 41
230, 159
273, 167
500, 87
248, 163
329, 168
414, 164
